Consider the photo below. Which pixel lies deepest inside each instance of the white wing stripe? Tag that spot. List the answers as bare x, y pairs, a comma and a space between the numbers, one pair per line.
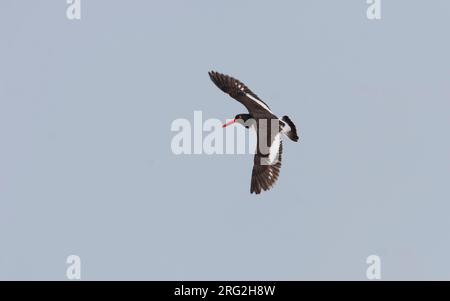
258, 102
274, 149
285, 128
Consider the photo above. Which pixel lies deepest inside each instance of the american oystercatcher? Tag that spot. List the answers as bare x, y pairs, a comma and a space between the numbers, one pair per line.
267, 160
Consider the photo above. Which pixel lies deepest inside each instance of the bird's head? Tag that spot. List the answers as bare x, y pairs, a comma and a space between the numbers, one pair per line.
241, 119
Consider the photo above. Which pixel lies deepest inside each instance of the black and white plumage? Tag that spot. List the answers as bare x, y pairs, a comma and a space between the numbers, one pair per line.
269, 128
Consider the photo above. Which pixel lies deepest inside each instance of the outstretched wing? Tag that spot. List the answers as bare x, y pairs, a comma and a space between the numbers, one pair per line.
240, 92
266, 167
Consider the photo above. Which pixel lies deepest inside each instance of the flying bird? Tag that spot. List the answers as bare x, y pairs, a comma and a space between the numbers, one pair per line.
269, 128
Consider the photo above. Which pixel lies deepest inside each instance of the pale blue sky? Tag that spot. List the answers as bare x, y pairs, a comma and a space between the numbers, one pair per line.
85, 160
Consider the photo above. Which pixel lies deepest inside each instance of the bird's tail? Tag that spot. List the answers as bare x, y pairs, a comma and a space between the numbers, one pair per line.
292, 131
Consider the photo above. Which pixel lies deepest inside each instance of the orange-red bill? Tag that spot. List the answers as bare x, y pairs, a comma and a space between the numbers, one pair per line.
229, 123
